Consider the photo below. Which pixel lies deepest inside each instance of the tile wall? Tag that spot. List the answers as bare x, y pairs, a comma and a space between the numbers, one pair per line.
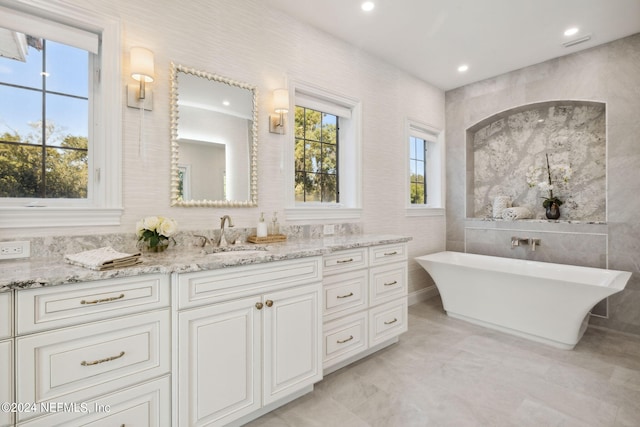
608, 74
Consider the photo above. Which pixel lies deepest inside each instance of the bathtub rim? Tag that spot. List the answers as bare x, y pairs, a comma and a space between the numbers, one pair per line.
616, 279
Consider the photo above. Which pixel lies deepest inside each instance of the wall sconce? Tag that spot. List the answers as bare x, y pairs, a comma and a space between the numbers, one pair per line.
281, 107
142, 70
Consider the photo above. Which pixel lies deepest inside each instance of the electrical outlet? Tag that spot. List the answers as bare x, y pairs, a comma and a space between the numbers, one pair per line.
13, 250
329, 229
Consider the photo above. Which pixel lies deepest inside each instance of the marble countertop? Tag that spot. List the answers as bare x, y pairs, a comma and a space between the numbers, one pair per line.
31, 273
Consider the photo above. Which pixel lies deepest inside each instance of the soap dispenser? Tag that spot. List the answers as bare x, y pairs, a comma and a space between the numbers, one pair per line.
261, 229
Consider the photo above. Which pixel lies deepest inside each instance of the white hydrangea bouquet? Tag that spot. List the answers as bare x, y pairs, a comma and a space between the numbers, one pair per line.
155, 232
561, 173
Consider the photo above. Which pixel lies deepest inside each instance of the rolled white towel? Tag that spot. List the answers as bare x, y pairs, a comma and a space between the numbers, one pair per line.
518, 212
500, 203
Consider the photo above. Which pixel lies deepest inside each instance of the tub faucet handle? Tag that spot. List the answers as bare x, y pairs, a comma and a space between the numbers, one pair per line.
534, 243
515, 241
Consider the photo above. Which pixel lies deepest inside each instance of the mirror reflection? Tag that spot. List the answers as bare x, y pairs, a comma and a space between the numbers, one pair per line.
214, 140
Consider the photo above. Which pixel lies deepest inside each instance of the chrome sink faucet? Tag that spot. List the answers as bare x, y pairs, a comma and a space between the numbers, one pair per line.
223, 241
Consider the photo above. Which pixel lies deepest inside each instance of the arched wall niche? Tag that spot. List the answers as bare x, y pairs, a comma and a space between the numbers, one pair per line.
507, 150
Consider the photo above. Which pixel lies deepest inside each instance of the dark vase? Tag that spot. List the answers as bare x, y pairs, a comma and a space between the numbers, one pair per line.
553, 211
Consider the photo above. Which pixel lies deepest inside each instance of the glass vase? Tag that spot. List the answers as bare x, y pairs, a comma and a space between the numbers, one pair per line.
160, 247
553, 211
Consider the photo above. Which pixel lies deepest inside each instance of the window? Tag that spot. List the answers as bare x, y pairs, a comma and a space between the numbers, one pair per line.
44, 118
323, 160
425, 170
60, 117
418, 164
316, 156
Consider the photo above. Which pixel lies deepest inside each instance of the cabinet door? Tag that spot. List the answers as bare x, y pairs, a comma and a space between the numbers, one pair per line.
144, 405
82, 362
6, 380
53, 307
345, 293
219, 362
388, 282
292, 328
6, 314
387, 321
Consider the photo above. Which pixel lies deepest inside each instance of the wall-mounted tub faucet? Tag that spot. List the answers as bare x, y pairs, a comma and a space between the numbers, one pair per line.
516, 241
534, 243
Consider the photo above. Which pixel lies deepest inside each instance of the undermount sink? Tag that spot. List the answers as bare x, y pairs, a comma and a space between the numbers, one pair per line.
237, 250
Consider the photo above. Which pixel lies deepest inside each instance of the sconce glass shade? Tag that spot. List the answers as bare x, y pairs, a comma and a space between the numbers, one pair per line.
281, 101
142, 64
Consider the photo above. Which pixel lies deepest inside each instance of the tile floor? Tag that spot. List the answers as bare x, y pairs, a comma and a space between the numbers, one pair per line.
446, 372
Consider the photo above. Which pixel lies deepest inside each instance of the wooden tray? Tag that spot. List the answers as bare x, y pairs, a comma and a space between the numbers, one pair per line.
272, 238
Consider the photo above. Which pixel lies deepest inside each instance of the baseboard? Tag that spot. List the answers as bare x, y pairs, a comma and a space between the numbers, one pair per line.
264, 410
422, 295
359, 356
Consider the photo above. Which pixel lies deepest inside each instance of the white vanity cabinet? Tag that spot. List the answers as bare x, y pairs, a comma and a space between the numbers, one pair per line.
6, 315
365, 302
249, 338
102, 344
6, 355
6, 380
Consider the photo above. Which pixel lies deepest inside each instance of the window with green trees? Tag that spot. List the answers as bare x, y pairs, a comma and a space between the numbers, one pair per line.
316, 156
418, 165
44, 120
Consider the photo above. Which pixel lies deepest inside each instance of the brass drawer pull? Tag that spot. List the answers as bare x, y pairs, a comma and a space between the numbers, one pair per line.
344, 341
98, 301
391, 253
107, 359
350, 294
395, 319
269, 303
344, 261
395, 282
259, 305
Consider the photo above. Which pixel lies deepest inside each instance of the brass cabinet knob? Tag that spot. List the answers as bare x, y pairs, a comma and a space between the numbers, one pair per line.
259, 305
269, 303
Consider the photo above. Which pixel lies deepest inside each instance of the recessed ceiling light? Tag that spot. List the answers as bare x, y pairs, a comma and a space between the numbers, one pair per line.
226, 103
463, 68
368, 6
571, 31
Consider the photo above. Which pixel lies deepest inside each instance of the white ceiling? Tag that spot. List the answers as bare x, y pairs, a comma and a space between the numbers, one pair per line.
431, 38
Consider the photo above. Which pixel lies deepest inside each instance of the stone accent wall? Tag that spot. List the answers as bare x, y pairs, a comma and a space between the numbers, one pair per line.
606, 73
505, 146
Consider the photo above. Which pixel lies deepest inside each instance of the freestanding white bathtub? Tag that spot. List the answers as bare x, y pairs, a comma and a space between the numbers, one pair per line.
541, 301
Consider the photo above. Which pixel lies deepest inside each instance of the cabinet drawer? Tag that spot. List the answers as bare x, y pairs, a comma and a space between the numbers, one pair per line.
6, 380
387, 283
59, 306
345, 293
147, 404
344, 338
387, 321
82, 362
346, 260
387, 253
6, 314
225, 284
